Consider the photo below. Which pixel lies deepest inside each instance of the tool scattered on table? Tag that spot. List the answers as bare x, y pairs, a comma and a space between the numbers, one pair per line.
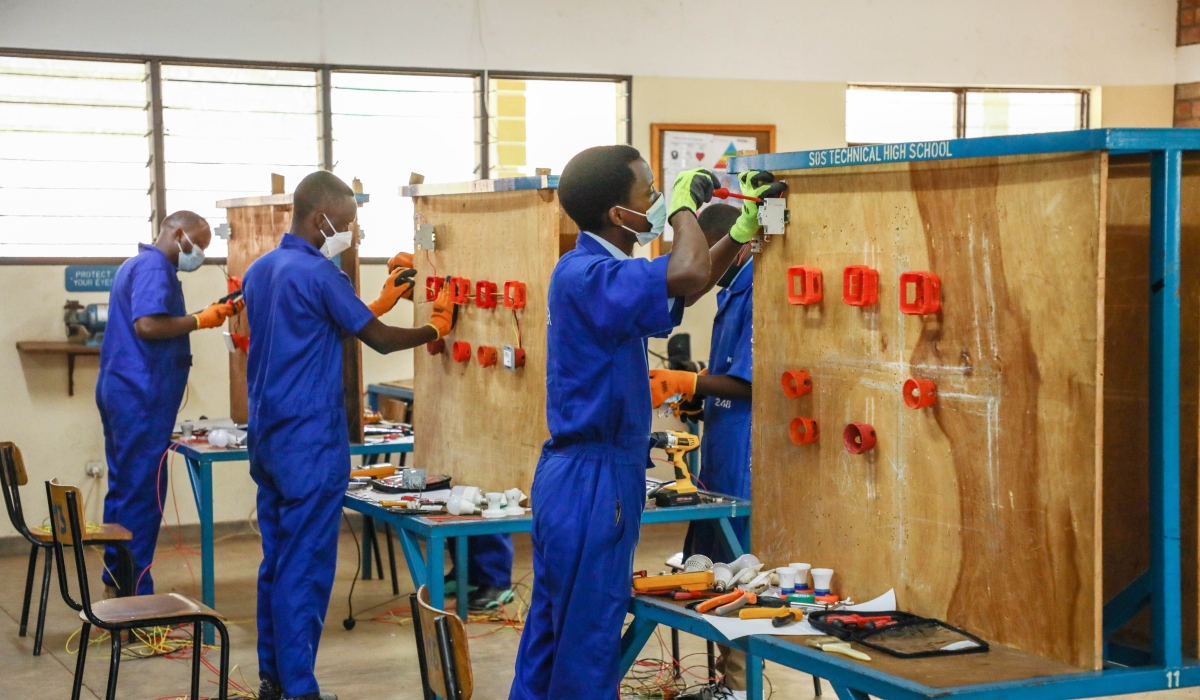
676, 444
898, 634
665, 583
834, 646
410, 480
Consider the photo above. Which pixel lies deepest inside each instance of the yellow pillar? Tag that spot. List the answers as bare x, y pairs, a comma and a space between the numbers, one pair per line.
506, 107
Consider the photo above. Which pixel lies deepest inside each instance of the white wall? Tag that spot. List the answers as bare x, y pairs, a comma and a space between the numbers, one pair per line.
1019, 42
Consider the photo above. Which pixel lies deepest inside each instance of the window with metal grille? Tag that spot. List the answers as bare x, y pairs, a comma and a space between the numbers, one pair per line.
226, 130
387, 126
73, 158
543, 123
877, 114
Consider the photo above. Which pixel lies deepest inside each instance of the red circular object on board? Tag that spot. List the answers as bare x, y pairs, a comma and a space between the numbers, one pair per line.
919, 393
858, 438
804, 431
486, 356
796, 382
437, 347
461, 351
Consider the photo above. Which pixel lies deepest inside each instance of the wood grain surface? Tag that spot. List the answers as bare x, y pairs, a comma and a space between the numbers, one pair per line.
485, 426
987, 502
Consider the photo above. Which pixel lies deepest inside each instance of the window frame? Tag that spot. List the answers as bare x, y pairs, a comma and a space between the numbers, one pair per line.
326, 156
960, 100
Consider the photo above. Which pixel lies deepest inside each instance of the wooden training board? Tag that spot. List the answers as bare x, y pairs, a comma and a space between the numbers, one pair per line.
485, 426
983, 510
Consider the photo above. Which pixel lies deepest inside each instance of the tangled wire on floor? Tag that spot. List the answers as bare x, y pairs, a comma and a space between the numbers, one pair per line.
655, 678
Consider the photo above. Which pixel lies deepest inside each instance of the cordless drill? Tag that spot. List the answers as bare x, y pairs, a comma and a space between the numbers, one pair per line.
676, 444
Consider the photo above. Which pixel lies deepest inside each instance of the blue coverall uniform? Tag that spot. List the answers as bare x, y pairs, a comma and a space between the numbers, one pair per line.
725, 450
489, 560
590, 485
138, 392
299, 306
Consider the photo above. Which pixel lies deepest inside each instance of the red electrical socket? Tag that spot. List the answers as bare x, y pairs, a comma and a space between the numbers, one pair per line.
486, 356
796, 383
919, 393
927, 293
860, 285
433, 287
514, 295
461, 351
804, 431
240, 342
437, 347
858, 438
804, 285
485, 294
460, 290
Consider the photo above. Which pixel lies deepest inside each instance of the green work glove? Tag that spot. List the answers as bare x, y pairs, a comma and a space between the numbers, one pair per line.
755, 183
692, 188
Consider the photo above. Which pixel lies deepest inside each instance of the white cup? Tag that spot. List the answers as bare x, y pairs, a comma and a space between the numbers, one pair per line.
801, 575
821, 580
787, 579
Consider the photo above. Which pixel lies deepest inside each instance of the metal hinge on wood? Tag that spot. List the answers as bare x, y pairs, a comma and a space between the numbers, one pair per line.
425, 237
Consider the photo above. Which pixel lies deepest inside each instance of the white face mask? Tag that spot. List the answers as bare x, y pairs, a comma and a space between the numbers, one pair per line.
189, 262
338, 242
656, 215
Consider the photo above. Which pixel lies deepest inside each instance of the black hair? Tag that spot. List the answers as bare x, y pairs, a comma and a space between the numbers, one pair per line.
316, 189
716, 219
594, 181
183, 219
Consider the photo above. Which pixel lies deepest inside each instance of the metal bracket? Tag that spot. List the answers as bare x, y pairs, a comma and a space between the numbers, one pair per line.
223, 231
773, 216
425, 237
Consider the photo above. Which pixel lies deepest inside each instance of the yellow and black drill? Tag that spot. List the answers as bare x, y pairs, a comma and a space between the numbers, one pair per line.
676, 444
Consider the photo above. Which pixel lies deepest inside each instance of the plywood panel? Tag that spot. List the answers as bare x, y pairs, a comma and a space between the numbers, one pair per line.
1126, 415
986, 503
485, 426
253, 232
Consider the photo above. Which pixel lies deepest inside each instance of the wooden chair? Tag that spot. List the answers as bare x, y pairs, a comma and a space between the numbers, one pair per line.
442, 650
120, 614
12, 477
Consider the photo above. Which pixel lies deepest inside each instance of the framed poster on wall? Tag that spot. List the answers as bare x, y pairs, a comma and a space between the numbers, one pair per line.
676, 147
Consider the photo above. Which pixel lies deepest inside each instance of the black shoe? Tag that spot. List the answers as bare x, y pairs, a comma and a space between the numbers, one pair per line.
269, 689
311, 696
489, 598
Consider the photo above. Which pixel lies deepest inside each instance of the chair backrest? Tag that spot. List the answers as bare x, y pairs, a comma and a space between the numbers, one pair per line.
442, 644
12, 477
66, 526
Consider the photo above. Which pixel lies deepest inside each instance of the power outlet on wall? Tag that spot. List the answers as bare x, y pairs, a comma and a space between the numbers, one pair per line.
94, 469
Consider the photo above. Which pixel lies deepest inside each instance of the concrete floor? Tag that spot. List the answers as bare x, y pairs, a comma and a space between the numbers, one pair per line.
374, 661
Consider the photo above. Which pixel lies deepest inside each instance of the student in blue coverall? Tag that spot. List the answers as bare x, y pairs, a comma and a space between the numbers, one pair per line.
725, 390
300, 306
590, 484
144, 363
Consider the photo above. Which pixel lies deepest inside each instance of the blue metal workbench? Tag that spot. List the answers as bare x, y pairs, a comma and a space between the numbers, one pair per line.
1126, 670
428, 569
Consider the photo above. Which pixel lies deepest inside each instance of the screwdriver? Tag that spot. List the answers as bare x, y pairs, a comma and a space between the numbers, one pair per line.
724, 193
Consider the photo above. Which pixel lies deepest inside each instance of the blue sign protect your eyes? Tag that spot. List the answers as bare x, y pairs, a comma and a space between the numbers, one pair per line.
90, 278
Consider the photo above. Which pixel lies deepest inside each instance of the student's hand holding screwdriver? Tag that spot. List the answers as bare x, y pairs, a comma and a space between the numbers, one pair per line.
665, 383
398, 285
755, 183
214, 315
444, 314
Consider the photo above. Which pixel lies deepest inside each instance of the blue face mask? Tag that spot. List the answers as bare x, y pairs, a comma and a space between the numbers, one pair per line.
656, 215
189, 262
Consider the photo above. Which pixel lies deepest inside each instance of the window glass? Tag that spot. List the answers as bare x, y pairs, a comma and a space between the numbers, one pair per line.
388, 126
1009, 113
876, 115
226, 130
73, 154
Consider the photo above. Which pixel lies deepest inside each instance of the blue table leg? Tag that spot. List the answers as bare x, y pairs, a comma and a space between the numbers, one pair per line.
200, 474
435, 571
754, 677
412, 556
731, 539
845, 693
367, 546
460, 577
632, 641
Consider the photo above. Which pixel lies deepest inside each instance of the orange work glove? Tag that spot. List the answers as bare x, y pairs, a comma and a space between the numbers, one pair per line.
214, 315
400, 260
398, 286
444, 314
665, 383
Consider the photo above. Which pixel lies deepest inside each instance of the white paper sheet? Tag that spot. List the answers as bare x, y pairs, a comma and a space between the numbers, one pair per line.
734, 628
369, 494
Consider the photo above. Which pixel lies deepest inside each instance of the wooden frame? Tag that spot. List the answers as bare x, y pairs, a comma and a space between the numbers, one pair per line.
758, 131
